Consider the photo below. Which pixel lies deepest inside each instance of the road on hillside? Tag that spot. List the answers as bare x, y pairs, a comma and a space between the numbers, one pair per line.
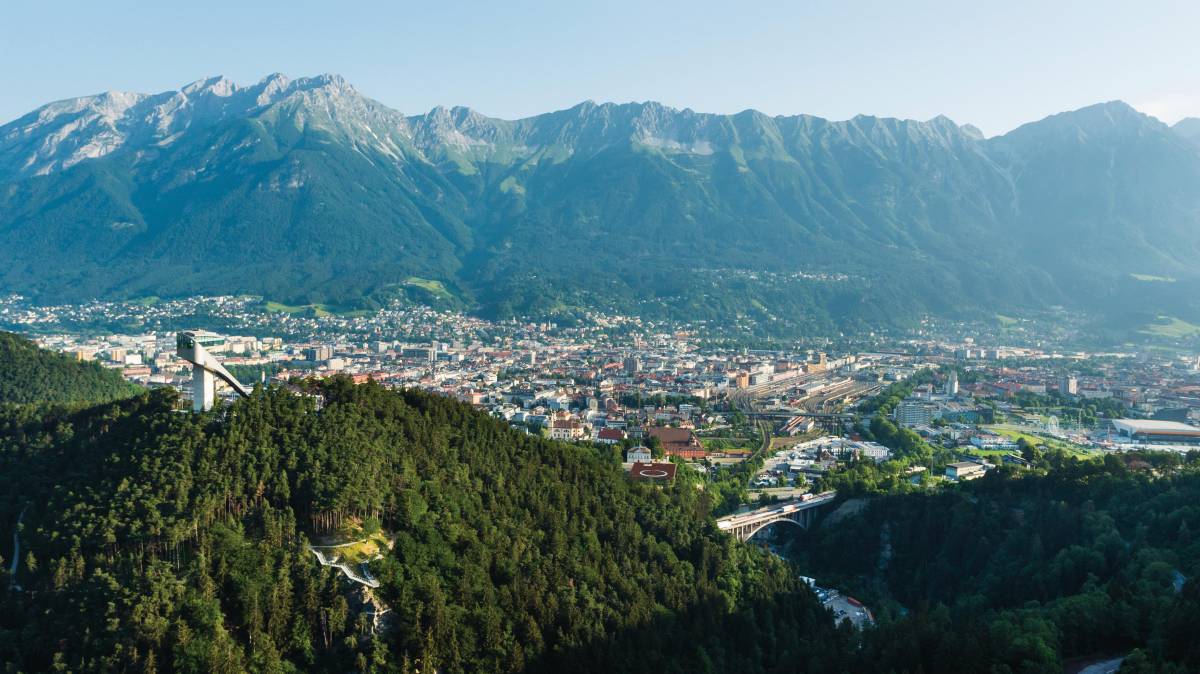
1110, 666
16, 557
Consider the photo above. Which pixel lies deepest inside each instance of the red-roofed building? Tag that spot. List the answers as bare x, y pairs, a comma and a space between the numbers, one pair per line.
652, 472
566, 429
679, 442
610, 436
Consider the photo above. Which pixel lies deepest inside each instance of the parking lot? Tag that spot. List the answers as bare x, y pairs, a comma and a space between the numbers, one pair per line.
845, 608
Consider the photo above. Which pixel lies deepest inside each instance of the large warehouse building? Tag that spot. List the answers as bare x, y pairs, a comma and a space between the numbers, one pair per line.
1153, 431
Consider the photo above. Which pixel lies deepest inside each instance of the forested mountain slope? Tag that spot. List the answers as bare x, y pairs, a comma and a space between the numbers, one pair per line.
306, 190
29, 374
1090, 559
170, 541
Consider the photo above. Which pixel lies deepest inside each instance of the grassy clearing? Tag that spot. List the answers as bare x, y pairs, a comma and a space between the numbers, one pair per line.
1169, 326
1152, 278
974, 451
317, 309
436, 288
717, 444
1050, 443
365, 550
354, 545
1006, 321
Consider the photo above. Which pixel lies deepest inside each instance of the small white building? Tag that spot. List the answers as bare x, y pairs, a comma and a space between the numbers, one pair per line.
964, 470
873, 451
638, 454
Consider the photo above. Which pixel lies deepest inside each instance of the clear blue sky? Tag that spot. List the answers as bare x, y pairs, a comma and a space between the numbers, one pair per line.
995, 65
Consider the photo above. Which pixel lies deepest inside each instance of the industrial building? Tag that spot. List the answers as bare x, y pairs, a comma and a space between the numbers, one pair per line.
1154, 431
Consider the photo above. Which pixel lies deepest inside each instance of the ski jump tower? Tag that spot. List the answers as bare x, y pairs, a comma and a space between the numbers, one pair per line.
205, 368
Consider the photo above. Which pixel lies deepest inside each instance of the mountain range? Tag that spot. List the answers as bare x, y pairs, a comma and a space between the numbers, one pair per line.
306, 191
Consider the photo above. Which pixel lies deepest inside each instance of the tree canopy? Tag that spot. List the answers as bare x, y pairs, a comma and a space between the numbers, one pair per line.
29, 374
1021, 572
177, 541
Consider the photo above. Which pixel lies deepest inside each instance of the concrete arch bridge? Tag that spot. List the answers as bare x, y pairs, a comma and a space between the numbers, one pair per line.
800, 512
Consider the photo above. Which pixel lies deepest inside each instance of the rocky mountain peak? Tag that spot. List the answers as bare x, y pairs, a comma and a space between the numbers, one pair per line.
215, 86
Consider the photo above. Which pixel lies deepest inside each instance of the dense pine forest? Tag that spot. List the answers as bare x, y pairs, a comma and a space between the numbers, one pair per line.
1024, 572
32, 375
159, 540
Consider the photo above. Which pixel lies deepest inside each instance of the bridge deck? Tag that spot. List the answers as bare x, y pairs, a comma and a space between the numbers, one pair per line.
774, 511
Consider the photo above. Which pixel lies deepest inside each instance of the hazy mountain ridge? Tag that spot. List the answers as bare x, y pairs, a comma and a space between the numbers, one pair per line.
1189, 127
305, 189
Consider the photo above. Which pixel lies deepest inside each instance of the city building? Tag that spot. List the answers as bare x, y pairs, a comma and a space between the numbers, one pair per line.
1154, 432
565, 429
914, 412
638, 454
1069, 386
964, 470
679, 442
610, 436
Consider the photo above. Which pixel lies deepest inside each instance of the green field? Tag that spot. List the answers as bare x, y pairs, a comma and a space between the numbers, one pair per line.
1169, 326
718, 444
317, 309
364, 550
1051, 443
353, 545
1006, 321
1152, 278
435, 288
988, 452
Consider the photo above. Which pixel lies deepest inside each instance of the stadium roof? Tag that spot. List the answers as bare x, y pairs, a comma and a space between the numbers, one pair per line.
1154, 427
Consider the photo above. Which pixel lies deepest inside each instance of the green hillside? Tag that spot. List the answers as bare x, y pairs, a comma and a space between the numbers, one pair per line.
176, 542
29, 374
1088, 559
